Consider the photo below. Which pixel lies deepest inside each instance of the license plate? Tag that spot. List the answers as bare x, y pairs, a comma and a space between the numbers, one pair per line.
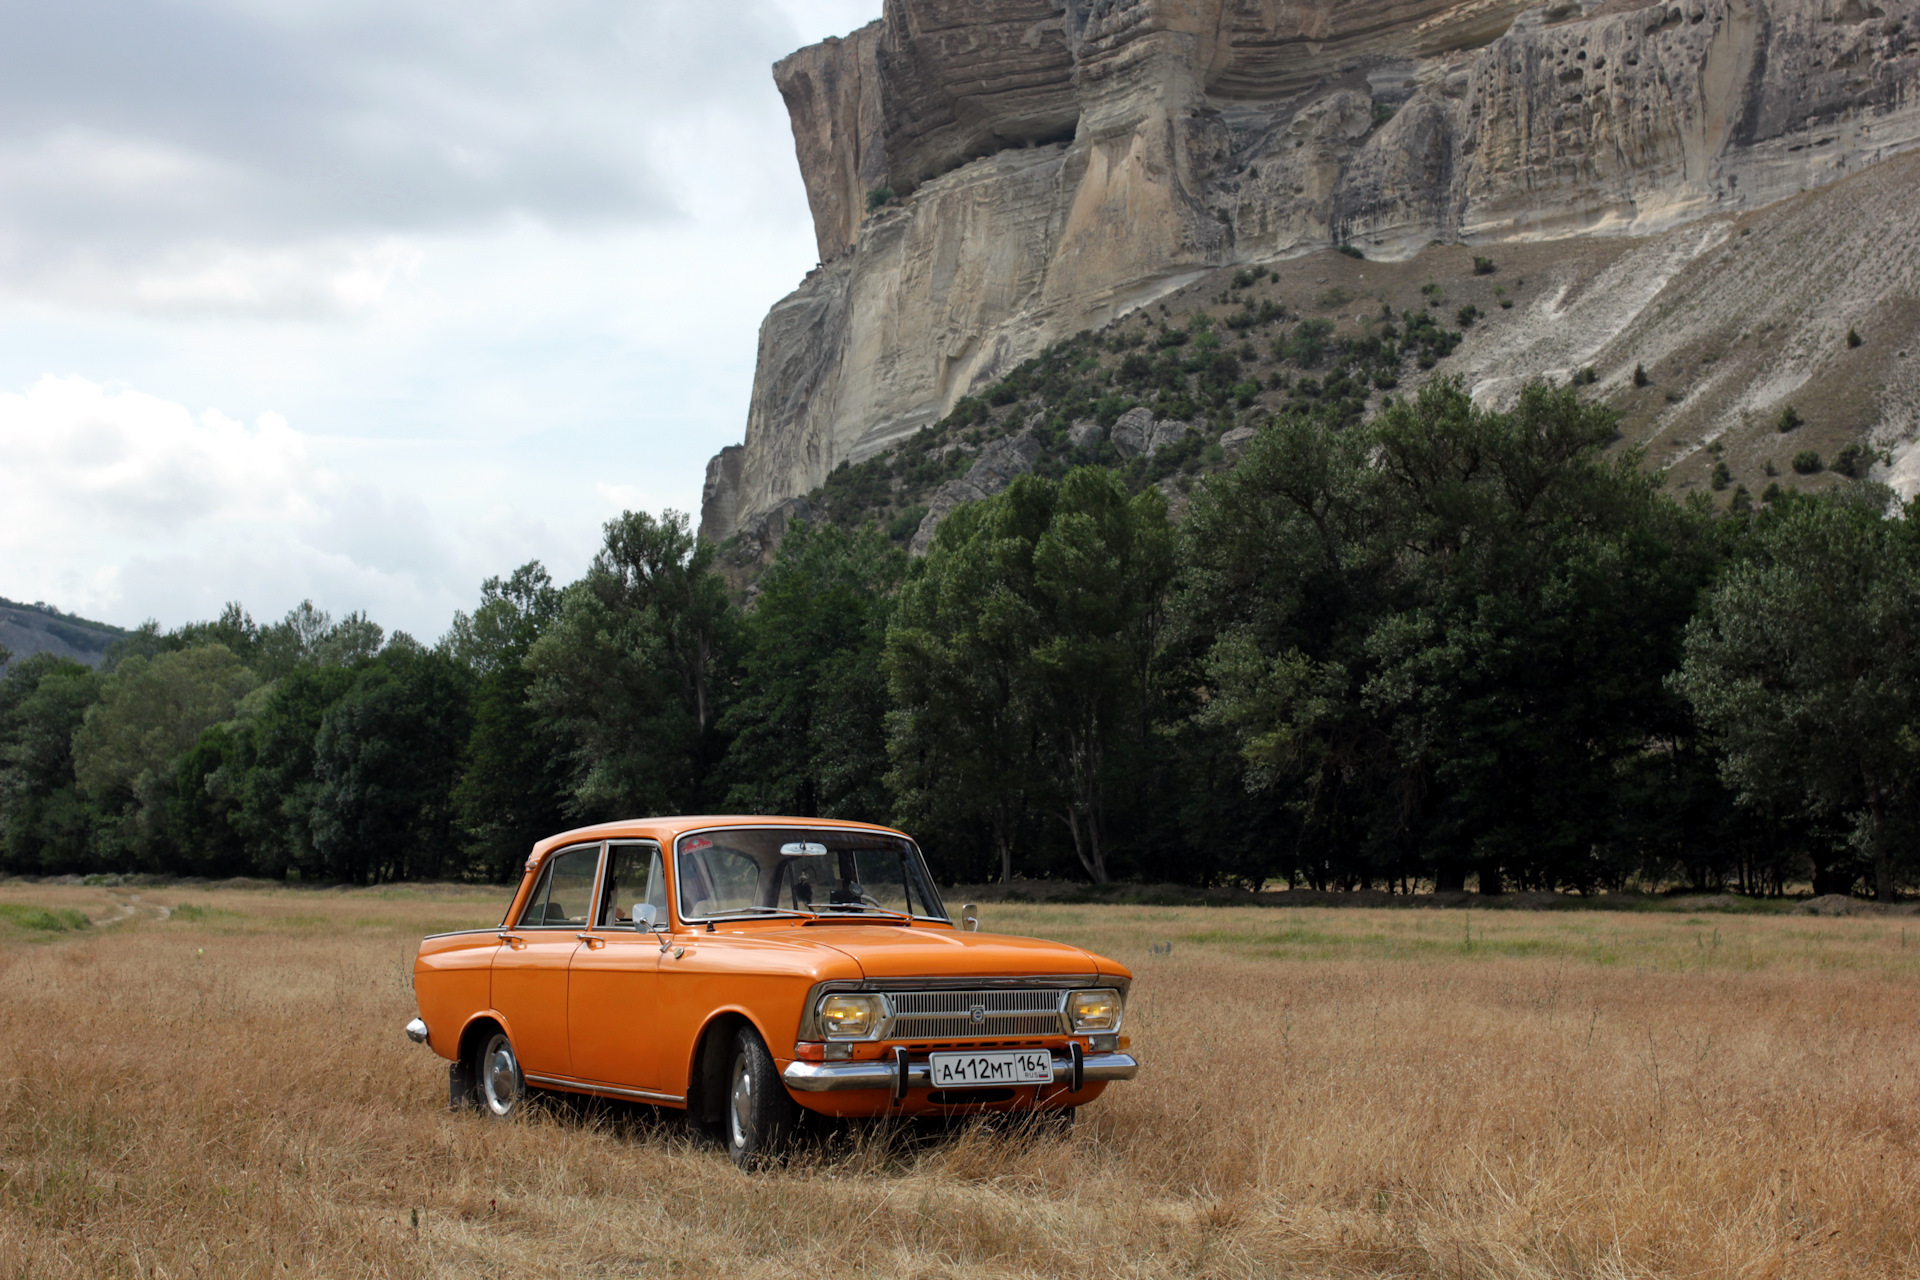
969, 1070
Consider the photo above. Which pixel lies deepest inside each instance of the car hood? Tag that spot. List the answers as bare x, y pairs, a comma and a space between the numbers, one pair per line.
884, 951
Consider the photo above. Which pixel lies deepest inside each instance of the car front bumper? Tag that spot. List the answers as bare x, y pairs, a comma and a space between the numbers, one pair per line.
825, 1077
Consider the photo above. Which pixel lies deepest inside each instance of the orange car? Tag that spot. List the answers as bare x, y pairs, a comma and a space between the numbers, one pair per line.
742, 968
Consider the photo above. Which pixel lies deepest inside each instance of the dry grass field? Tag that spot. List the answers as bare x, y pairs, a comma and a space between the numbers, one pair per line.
226, 1092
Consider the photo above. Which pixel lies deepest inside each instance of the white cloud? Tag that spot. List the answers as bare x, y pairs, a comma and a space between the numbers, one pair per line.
125, 505
464, 282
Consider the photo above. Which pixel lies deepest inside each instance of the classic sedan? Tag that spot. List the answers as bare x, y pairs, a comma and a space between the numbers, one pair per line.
749, 969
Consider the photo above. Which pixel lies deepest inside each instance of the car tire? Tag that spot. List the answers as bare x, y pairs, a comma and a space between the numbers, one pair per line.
757, 1114
499, 1088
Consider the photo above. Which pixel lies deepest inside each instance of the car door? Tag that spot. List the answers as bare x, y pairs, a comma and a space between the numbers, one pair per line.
612, 1023
530, 967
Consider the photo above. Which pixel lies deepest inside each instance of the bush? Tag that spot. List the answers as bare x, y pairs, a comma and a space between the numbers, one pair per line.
879, 196
1806, 462
1483, 266
1789, 419
1334, 297
1771, 494
1586, 377
1742, 501
1853, 338
1243, 279
1467, 315
1640, 378
1853, 461
903, 526
1353, 252
1722, 476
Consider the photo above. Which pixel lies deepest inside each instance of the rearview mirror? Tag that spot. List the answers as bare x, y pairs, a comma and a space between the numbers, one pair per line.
804, 850
970, 918
644, 915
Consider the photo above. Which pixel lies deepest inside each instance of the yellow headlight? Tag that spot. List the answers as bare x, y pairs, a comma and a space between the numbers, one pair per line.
844, 1017
1093, 1011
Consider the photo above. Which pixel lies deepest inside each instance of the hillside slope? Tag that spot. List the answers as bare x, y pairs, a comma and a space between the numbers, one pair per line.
27, 629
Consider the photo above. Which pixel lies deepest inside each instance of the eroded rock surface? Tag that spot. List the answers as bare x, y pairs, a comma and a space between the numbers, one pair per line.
996, 467
1058, 162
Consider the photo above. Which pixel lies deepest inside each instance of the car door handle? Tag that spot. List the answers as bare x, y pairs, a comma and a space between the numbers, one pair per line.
511, 939
591, 939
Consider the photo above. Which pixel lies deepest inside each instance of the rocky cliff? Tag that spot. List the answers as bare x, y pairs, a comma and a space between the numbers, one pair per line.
1055, 163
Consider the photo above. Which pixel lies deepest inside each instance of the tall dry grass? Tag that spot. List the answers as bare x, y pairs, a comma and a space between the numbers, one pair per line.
1326, 1093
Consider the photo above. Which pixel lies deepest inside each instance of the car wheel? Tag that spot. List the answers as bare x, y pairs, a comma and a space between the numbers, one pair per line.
498, 1084
759, 1112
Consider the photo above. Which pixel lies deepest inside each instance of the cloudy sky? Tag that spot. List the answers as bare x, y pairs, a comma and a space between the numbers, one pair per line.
367, 300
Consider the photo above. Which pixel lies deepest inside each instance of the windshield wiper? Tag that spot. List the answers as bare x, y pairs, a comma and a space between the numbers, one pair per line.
762, 911
837, 908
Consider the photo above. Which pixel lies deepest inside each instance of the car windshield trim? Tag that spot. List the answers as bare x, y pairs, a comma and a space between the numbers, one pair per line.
928, 889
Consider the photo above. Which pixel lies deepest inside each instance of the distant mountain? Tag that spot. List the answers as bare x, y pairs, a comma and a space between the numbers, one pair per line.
27, 629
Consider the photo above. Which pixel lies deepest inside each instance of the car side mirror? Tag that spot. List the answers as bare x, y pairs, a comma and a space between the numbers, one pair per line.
645, 914
970, 918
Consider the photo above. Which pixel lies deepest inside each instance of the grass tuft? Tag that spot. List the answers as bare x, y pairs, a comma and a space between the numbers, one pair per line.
52, 920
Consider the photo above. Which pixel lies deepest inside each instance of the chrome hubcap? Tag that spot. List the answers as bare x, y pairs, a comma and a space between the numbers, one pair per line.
742, 1117
499, 1076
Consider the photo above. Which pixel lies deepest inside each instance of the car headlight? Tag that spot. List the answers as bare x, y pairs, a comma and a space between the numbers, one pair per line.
1089, 1011
851, 1017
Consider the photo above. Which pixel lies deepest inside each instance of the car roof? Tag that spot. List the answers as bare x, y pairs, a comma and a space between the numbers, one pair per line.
665, 829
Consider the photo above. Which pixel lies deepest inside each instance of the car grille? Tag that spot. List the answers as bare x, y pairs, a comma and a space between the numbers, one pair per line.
950, 1015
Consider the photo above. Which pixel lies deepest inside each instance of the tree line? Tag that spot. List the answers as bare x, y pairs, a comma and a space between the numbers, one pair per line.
1446, 648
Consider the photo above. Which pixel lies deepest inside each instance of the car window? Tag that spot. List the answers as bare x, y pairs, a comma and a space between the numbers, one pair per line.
564, 895
716, 879
634, 874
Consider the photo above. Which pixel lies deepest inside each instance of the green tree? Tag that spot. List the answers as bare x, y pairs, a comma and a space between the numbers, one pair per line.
151, 713
204, 807
1803, 665
1444, 634
513, 783
386, 758
808, 716
46, 823
1101, 572
631, 671
1021, 659
278, 784
962, 737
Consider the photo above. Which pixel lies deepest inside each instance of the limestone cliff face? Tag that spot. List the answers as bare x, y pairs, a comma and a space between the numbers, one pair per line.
1058, 162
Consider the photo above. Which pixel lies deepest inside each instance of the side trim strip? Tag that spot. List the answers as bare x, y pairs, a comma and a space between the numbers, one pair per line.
613, 1090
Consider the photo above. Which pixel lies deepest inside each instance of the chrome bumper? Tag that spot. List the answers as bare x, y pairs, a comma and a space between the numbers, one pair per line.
417, 1031
823, 1077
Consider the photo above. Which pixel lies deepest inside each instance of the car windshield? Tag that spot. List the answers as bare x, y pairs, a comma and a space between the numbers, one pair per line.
762, 871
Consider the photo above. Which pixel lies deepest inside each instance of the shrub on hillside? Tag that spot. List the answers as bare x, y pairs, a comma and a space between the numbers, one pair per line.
1806, 462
